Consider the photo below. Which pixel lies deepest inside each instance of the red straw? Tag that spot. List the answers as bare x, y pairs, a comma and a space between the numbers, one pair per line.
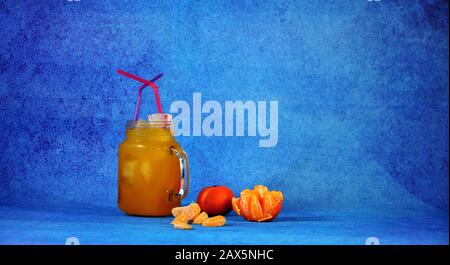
141, 88
135, 77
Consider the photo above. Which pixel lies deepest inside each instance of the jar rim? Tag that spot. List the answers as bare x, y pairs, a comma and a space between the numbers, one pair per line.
131, 124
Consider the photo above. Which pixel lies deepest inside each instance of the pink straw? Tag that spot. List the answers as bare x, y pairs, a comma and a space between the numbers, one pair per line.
158, 99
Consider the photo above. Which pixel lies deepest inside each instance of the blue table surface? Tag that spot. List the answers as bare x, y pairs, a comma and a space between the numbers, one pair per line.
110, 226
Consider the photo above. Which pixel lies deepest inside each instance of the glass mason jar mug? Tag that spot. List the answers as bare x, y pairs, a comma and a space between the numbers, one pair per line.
153, 169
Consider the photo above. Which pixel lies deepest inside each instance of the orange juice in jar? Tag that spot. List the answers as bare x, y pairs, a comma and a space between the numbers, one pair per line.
153, 169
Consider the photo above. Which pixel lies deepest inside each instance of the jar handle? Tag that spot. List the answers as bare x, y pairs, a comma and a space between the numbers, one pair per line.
184, 173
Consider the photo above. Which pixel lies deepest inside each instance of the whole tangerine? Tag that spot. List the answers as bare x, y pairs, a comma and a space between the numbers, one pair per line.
215, 200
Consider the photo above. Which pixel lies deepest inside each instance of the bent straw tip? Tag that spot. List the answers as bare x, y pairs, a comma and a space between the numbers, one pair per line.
158, 76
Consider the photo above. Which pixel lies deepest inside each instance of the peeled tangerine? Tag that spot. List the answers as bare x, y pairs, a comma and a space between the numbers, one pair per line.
259, 204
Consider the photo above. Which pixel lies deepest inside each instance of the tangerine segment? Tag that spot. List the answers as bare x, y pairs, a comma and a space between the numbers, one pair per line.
276, 209
245, 192
261, 191
200, 218
245, 204
192, 210
182, 218
268, 203
181, 225
277, 195
236, 204
255, 208
218, 220
176, 211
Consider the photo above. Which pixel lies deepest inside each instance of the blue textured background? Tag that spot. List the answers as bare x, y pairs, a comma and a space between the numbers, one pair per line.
362, 90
